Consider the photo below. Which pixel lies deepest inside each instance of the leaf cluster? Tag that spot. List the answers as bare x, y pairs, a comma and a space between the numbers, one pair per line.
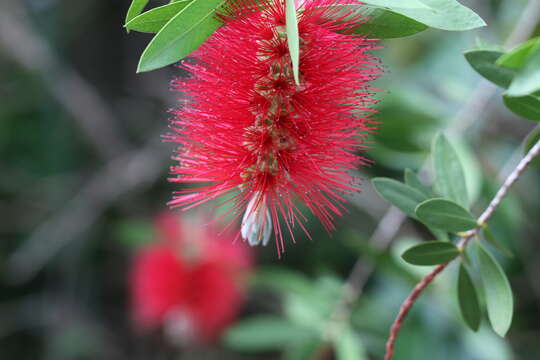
181, 26
444, 209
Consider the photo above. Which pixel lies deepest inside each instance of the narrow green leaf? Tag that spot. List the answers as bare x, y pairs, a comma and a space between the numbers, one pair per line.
136, 7
303, 350
386, 24
440, 14
412, 180
492, 240
134, 233
439, 234
468, 299
527, 79
517, 57
485, 63
530, 141
293, 39
398, 194
527, 107
449, 175
499, 300
431, 253
445, 214
153, 20
348, 346
263, 333
184, 33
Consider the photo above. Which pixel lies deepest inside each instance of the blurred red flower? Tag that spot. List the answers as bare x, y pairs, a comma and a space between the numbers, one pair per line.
189, 281
250, 131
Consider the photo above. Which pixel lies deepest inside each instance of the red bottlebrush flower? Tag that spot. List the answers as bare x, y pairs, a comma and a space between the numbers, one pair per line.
247, 128
189, 284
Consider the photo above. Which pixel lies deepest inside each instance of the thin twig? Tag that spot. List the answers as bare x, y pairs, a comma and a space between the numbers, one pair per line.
406, 307
465, 240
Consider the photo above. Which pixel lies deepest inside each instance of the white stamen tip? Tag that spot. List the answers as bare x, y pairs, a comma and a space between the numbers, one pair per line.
256, 223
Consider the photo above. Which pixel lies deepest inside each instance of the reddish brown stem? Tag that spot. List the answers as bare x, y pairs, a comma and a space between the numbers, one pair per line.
406, 307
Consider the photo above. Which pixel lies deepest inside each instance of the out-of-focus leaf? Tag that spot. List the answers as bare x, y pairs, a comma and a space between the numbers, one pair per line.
312, 312
445, 214
263, 333
493, 241
471, 168
441, 14
134, 233
386, 24
181, 35
468, 299
411, 179
348, 346
284, 281
398, 194
527, 107
293, 39
517, 57
136, 7
439, 234
499, 300
431, 253
303, 350
449, 175
527, 79
530, 141
485, 63
153, 20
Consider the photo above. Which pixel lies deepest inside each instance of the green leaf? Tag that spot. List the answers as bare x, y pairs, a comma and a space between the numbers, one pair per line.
303, 350
153, 20
530, 141
348, 346
431, 253
398, 194
386, 24
445, 214
492, 240
499, 300
517, 57
468, 299
485, 63
181, 35
293, 39
439, 234
136, 7
440, 14
411, 179
527, 107
527, 79
263, 333
449, 175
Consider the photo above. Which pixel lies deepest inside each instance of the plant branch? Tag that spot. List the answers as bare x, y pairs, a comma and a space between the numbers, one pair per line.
482, 220
406, 307
392, 220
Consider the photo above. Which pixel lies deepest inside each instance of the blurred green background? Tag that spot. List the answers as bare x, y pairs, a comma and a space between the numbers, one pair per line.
83, 172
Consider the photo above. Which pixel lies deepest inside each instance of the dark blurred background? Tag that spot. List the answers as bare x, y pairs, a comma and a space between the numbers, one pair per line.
83, 173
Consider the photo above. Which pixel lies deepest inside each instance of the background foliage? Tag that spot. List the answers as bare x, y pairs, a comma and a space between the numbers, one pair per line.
83, 172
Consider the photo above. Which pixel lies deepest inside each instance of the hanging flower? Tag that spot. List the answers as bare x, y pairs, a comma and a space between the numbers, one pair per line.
249, 131
188, 281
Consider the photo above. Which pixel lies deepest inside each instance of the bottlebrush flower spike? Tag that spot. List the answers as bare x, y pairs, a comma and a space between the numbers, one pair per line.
247, 128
